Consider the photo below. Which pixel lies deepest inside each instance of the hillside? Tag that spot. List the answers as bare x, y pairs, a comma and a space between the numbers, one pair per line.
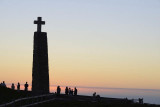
7, 94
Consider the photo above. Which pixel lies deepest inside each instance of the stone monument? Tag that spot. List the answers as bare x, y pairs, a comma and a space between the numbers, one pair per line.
40, 70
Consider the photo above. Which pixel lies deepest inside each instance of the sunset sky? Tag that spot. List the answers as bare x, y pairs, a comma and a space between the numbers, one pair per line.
95, 43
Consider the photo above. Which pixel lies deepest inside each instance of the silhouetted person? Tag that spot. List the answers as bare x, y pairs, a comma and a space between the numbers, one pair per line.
75, 91
69, 91
12, 86
26, 87
58, 90
140, 100
94, 94
3, 84
98, 97
66, 91
18, 86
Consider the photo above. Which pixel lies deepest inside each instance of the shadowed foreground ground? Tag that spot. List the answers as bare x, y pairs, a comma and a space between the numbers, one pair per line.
59, 103
7, 95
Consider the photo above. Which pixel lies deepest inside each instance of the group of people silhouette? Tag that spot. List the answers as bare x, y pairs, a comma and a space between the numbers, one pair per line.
68, 91
13, 86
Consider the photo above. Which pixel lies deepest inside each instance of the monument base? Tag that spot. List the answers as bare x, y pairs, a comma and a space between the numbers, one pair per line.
40, 71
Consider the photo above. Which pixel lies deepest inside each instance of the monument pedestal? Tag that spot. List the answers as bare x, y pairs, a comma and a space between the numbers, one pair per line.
40, 71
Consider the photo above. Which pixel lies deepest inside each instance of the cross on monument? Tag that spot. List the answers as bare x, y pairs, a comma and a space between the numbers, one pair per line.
39, 22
